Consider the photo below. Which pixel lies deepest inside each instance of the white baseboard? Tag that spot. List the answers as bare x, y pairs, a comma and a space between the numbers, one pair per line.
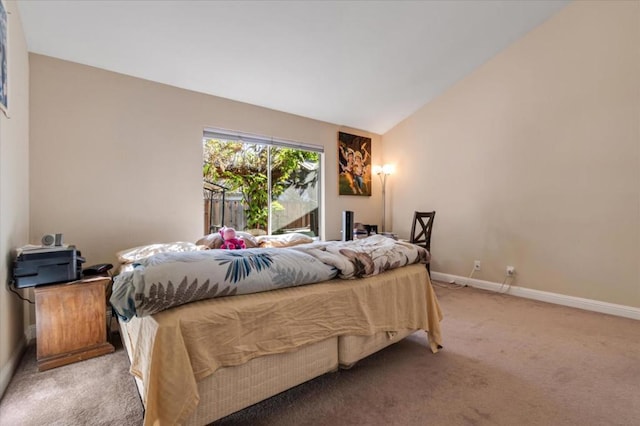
544, 296
6, 371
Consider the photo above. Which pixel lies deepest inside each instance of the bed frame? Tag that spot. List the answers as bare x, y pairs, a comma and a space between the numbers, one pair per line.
231, 389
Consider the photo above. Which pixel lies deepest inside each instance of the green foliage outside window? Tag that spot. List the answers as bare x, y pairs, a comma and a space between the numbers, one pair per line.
243, 168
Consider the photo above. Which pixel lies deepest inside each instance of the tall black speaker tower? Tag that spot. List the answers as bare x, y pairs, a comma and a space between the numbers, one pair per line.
347, 225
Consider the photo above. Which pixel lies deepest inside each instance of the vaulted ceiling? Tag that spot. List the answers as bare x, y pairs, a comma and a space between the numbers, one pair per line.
362, 64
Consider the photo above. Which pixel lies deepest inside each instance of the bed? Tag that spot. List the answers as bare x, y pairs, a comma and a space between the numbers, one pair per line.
203, 359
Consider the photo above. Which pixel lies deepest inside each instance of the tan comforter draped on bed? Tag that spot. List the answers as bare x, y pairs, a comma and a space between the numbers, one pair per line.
178, 347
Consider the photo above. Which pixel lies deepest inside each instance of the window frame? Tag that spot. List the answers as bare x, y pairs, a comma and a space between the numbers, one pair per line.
231, 135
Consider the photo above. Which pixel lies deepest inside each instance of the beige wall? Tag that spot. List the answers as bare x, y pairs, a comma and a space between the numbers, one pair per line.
14, 192
534, 160
116, 161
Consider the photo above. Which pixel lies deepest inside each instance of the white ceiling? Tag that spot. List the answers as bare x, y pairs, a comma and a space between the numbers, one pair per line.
363, 64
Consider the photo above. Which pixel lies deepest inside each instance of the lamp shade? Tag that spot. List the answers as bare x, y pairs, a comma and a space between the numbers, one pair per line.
386, 169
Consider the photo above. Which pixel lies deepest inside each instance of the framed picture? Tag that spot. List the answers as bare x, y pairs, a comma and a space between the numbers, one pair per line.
354, 165
4, 90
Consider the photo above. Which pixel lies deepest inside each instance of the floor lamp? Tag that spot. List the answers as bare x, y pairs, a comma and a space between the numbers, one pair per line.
383, 172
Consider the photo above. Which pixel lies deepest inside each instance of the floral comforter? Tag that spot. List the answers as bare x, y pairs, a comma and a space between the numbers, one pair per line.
171, 279
365, 257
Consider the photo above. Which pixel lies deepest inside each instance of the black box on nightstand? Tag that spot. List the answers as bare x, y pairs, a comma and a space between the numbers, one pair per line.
50, 265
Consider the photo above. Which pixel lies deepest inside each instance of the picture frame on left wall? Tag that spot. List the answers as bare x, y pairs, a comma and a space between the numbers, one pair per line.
4, 88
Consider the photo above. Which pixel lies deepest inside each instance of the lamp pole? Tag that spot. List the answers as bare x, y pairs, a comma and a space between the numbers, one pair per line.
383, 179
383, 172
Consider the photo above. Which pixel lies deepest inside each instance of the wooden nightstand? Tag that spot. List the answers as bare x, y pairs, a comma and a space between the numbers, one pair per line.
71, 322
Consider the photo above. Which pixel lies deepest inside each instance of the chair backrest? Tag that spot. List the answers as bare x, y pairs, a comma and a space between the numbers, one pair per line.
421, 229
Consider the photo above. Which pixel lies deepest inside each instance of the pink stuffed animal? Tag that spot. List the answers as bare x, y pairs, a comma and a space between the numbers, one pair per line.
230, 240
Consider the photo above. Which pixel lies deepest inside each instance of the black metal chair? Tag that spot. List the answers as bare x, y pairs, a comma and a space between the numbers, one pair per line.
421, 231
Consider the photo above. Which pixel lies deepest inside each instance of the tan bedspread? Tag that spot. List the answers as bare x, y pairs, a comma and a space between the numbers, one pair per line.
176, 348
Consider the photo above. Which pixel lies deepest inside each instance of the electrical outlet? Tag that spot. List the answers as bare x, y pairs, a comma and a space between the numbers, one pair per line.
511, 270
476, 265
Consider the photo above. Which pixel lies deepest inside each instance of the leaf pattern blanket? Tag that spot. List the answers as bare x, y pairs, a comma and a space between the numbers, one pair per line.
171, 279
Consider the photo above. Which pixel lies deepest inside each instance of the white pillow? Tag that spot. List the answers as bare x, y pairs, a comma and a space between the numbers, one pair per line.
141, 252
284, 240
213, 241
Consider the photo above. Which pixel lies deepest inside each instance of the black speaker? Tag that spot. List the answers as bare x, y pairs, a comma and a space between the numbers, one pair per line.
347, 225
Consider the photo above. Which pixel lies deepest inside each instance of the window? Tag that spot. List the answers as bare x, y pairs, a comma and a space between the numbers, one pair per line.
260, 184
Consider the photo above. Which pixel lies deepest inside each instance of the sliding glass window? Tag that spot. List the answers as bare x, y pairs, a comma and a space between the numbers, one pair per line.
261, 185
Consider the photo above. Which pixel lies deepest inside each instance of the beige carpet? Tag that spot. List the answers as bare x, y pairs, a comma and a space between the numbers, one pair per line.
506, 361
